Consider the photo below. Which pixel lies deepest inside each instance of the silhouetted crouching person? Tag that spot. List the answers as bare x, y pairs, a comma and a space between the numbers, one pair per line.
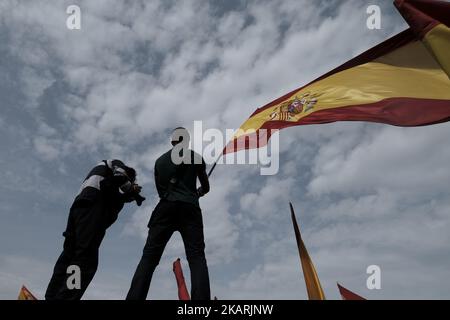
177, 210
102, 196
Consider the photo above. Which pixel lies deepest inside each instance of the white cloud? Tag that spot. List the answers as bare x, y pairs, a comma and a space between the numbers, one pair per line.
265, 203
400, 160
45, 148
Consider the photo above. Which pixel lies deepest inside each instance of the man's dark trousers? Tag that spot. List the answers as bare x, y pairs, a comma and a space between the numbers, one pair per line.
84, 233
167, 218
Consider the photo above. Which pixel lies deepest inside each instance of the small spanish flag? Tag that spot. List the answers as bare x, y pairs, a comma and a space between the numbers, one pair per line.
312, 282
403, 81
25, 294
181, 284
347, 294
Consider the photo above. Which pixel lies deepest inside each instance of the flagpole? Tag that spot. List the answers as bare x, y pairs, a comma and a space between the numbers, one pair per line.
215, 163
212, 169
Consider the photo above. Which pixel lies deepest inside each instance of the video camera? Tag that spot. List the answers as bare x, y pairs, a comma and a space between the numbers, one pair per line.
139, 199
135, 194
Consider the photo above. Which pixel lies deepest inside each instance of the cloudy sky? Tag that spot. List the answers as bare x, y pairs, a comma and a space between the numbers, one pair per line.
364, 194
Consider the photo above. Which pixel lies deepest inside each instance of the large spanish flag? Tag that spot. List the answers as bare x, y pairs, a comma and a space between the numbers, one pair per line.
403, 81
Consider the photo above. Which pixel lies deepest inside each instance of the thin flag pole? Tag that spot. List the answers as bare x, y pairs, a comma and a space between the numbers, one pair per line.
212, 169
215, 163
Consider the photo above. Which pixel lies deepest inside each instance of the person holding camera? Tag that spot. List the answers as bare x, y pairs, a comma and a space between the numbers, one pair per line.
108, 186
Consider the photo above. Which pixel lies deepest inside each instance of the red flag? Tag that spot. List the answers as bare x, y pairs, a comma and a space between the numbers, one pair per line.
182, 290
347, 294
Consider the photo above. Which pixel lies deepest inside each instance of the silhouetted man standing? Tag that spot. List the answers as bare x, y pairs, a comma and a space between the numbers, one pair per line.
108, 186
176, 173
